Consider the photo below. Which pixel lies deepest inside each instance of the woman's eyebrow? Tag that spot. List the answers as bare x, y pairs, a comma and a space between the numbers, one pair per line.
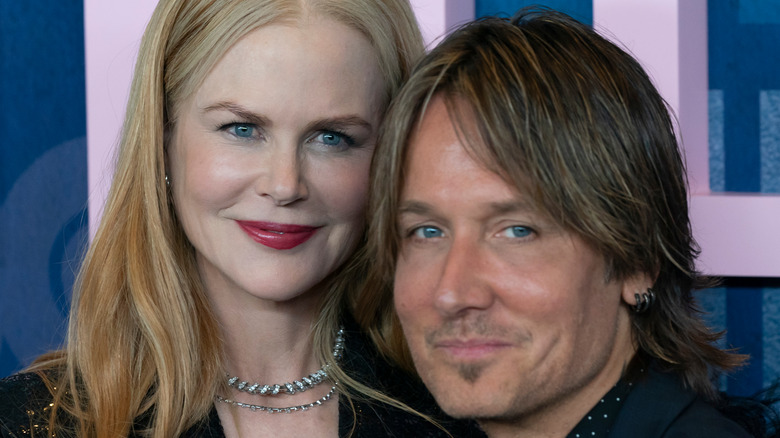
240, 111
340, 122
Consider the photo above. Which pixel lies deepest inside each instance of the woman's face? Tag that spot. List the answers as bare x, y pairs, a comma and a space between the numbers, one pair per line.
269, 158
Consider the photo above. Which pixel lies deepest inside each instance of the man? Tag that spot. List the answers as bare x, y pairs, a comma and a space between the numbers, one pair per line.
530, 210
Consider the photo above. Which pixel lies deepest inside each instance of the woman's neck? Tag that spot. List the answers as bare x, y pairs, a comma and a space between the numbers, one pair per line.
267, 341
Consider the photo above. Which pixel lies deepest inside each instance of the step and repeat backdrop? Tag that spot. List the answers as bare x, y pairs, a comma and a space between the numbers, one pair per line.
53, 180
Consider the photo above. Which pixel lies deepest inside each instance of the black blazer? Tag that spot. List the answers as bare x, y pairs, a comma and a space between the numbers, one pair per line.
660, 406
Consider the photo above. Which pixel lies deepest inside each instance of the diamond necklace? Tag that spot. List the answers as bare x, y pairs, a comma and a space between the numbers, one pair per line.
290, 388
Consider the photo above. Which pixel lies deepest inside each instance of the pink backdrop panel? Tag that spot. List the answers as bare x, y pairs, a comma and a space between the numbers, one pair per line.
437, 17
675, 57
736, 232
112, 35
674, 54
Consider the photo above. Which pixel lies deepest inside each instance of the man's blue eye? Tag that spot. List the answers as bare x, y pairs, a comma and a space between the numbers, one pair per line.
519, 231
427, 232
243, 131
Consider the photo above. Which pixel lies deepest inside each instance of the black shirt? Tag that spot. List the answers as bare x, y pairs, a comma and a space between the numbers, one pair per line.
598, 422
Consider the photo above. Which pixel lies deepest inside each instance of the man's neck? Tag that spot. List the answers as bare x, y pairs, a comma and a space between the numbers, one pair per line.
559, 417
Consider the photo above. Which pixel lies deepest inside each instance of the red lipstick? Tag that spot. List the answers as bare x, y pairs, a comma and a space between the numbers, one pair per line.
277, 236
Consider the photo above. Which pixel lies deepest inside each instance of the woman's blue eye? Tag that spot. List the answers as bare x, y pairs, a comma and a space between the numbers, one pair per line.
333, 139
519, 231
427, 232
243, 131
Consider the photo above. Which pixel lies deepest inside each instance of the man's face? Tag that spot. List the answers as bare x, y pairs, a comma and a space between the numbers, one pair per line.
510, 318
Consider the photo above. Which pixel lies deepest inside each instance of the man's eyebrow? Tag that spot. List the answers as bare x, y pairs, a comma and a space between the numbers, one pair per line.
240, 111
491, 208
414, 207
514, 206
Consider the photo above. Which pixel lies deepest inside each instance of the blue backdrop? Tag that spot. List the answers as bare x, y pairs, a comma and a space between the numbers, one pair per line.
43, 180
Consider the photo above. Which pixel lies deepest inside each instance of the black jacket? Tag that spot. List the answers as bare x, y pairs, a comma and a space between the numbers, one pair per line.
660, 406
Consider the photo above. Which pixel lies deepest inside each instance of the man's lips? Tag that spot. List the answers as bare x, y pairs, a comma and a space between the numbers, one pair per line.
277, 236
471, 349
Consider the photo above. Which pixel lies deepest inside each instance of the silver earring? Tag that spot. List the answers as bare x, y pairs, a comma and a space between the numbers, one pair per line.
167, 180
644, 301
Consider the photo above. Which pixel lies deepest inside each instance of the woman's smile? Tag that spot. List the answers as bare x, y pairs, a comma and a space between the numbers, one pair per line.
278, 236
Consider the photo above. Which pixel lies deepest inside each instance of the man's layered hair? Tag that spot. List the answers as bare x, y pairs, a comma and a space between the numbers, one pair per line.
572, 120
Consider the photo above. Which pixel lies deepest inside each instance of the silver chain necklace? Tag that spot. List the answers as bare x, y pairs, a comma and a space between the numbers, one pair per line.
290, 388
286, 410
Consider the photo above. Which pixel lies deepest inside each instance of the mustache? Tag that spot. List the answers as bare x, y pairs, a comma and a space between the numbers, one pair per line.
477, 327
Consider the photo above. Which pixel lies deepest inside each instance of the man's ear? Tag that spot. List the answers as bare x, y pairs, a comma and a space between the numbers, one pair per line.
638, 283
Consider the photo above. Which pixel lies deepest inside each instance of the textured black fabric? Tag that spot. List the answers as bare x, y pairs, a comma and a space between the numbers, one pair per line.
24, 403
659, 406
24, 406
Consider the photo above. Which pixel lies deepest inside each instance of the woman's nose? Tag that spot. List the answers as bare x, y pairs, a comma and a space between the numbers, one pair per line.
284, 179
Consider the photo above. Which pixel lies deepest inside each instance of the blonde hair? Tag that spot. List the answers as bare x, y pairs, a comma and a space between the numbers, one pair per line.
142, 340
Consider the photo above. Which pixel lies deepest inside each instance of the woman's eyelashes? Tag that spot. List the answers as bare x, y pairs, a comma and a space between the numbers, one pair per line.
241, 130
332, 140
328, 140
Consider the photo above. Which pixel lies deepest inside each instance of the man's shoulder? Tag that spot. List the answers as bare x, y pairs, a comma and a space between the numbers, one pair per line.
24, 402
701, 418
661, 406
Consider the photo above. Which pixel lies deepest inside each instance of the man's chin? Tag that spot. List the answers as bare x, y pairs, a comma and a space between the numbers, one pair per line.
463, 396
470, 408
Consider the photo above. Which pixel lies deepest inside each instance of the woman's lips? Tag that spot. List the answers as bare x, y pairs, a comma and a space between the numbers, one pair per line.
277, 236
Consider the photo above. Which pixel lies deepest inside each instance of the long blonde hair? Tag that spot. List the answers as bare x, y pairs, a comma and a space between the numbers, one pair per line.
142, 340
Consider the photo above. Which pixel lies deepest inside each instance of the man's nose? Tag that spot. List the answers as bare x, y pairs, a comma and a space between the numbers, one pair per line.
283, 180
463, 284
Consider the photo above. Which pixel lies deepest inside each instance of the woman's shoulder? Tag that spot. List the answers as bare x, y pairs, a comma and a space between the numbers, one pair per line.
24, 404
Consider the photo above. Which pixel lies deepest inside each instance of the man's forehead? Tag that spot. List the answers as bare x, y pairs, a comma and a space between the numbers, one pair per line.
446, 143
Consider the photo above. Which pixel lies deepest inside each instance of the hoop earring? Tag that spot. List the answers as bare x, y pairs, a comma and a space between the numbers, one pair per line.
644, 301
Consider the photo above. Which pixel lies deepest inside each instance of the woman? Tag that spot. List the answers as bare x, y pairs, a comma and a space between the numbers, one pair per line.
219, 272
